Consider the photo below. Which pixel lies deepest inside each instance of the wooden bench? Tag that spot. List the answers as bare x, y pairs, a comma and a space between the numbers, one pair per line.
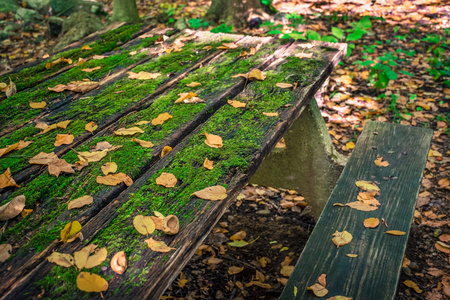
373, 268
116, 101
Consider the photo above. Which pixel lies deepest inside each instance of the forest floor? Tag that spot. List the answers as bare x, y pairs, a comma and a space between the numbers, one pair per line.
410, 37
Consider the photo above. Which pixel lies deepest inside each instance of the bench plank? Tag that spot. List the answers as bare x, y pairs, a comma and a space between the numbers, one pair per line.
374, 273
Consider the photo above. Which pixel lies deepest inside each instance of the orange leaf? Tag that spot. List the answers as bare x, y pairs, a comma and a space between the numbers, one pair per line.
381, 163
41, 104
213, 141
371, 222
165, 150
142, 75
89, 70
115, 179
322, 279
91, 126
158, 246
395, 232
7, 180
167, 180
144, 144
161, 119
208, 164
109, 167
236, 104
318, 290
212, 193
63, 139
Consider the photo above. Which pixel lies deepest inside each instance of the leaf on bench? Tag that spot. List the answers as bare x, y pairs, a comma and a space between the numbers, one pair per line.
89, 282
7, 180
212, 193
318, 290
70, 231
13, 208
342, 238
379, 162
367, 186
119, 262
61, 259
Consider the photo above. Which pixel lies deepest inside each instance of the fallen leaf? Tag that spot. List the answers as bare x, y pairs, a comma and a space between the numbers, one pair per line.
145, 144
381, 163
322, 279
350, 145
238, 236
352, 255
444, 237
158, 222
158, 246
213, 141
161, 119
367, 186
64, 139
226, 46
11, 90
234, 270
61, 259
214, 261
109, 167
213, 193
57, 61
194, 84
287, 270
91, 127
166, 179
86, 47
143, 224
55, 167
128, 131
339, 298
10, 148
119, 262
165, 150
341, 238
70, 231
256, 74
23, 144
3, 87
441, 248
142, 75
89, 70
92, 156
13, 208
115, 179
318, 290
359, 205
43, 158
99, 56
7, 180
413, 285
5, 252
188, 98
25, 212
275, 114
284, 85
41, 104
208, 164
142, 123
63, 124
304, 55
395, 232
133, 53
236, 104
245, 53
88, 258
371, 222
80, 202
89, 282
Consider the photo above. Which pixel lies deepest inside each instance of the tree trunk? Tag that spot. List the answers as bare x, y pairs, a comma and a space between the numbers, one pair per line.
125, 11
235, 12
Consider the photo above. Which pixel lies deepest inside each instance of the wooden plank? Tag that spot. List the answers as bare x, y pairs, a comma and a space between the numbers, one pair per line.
248, 136
374, 273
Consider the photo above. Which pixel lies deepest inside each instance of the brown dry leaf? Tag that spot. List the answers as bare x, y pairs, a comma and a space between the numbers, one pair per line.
381, 163
57, 61
318, 290
212, 193
287, 270
371, 222
226, 46
367, 186
165, 150
208, 164
89, 282
214, 261
61, 259
161, 119
86, 47
89, 258
79, 165
55, 167
166, 179
7, 180
188, 98
115, 179
158, 222
8, 149
43, 158
80, 202
436, 272
63, 124
158, 246
91, 127
352, 255
82, 86
413, 285
304, 55
109, 167
213, 141
145, 144
11, 89
443, 183
132, 53
64, 139
444, 237
194, 84
58, 88
119, 262
41, 104
207, 48
144, 224
89, 70
322, 279
5, 252
13, 208
284, 85
442, 248
70, 231
142, 75
99, 56
341, 238
234, 270
367, 196
236, 104
238, 236
359, 205
92, 156
128, 131
395, 232
275, 114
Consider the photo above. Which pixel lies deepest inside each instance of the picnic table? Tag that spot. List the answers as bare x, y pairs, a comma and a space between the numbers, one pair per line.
157, 104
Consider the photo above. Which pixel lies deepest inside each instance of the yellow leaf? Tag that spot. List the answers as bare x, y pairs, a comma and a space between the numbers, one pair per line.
133, 53
287, 270
13, 208
341, 238
86, 47
381, 163
275, 114
9, 149
144, 144
91, 127
236, 104
359, 205
367, 186
161, 119
295, 291
371, 222
413, 285
166, 179
213, 141
80, 202
158, 246
92, 156
185, 96
208, 164
142, 123
64, 139
7, 180
99, 56
142, 75
234, 270
55, 167
284, 85
159, 215
89, 282
395, 232
128, 131
89, 70
5, 252
26, 212
61, 259
70, 230
109, 167
115, 179
41, 104
352, 255
119, 262
212, 193
318, 290
143, 224
89, 258
350, 145
165, 150
256, 74
226, 46
194, 84
63, 124
304, 55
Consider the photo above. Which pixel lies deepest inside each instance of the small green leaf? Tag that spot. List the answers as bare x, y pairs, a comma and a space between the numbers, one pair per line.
337, 32
356, 35
329, 38
240, 243
406, 73
391, 75
312, 35
295, 291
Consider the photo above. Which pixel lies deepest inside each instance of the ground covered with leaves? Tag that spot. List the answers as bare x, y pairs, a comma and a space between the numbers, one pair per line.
397, 70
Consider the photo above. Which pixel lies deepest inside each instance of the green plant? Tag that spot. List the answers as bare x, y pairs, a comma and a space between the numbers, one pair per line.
222, 28
295, 19
380, 71
268, 3
439, 62
197, 23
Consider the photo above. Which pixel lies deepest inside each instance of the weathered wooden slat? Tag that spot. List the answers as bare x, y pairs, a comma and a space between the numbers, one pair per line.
374, 273
248, 136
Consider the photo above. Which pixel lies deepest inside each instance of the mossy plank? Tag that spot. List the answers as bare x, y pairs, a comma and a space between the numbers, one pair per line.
248, 136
